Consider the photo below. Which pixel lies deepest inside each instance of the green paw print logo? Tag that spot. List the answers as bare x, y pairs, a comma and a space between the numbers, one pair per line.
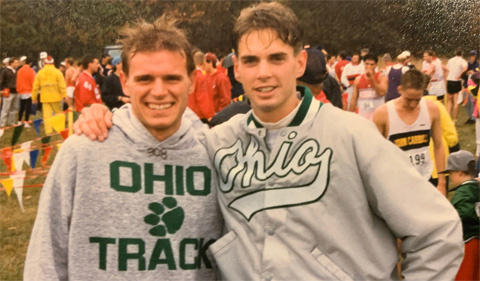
166, 217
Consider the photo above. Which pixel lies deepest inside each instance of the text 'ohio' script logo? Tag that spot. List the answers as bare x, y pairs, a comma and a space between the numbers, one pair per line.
252, 163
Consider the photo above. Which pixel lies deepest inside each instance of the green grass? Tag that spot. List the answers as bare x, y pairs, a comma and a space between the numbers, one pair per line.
16, 227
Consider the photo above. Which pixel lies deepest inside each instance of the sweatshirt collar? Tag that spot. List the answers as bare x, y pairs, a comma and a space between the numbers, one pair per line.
303, 113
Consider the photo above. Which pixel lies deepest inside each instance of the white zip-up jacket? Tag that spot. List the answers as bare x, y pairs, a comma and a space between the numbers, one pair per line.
327, 202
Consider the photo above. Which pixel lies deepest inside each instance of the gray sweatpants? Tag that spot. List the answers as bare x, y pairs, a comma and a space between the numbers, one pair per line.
10, 107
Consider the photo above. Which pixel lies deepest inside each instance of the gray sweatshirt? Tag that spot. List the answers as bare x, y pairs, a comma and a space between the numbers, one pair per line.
129, 208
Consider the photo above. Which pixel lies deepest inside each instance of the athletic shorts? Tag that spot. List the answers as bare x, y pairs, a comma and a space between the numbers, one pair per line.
454, 87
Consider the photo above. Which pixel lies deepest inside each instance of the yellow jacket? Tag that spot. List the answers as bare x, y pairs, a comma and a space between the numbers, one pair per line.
51, 84
449, 133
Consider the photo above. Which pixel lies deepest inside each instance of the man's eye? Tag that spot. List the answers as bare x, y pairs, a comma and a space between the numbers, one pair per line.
173, 78
144, 79
278, 59
249, 60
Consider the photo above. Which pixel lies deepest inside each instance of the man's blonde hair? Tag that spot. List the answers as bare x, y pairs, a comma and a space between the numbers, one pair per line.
161, 35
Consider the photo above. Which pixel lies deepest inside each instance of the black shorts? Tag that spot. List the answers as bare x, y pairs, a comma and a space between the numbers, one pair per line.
454, 87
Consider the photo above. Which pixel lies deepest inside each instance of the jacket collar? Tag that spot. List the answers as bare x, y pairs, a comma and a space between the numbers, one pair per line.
306, 103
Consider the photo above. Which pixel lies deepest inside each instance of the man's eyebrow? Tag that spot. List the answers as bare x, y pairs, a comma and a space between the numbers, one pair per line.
248, 57
278, 54
142, 76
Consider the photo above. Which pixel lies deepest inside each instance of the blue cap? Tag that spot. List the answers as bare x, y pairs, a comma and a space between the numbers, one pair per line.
116, 61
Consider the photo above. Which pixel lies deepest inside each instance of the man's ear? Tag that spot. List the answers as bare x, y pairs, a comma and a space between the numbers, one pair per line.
193, 80
123, 81
399, 89
301, 63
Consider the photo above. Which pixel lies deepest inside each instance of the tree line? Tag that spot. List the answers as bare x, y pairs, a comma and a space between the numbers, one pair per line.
78, 27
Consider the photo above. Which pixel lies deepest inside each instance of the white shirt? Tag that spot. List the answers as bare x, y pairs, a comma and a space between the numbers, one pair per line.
455, 67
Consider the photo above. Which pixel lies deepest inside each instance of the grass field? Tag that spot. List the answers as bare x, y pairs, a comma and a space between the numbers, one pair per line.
15, 226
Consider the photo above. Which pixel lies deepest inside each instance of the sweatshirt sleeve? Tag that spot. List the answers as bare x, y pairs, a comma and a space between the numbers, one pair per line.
413, 209
47, 254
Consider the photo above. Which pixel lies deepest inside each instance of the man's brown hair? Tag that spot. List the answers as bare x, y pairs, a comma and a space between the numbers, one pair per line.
161, 35
413, 79
273, 16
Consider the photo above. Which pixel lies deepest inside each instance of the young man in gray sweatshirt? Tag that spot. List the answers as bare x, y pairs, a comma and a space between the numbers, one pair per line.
132, 207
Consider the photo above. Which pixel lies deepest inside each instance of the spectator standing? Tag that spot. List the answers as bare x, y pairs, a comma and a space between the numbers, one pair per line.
455, 66
25, 79
472, 68
201, 101
51, 84
220, 87
369, 89
394, 74
41, 62
69, 73
331, 60
22, 62
112, 92
436, 72
10, 98
316, 77
387, 61
86, 90
351, 71
341, 63
466, 200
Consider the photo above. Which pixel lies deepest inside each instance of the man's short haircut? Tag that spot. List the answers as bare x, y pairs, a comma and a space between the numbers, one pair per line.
28, 60
429, 52
87, 60
329, 56
272, 16
343, 54
459, 52
413, 79
69, 60
370, 57
365, 50
199, 58
161, 35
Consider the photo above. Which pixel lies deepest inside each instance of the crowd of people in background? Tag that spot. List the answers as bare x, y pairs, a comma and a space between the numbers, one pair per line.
353, 82
424, 111
405, 104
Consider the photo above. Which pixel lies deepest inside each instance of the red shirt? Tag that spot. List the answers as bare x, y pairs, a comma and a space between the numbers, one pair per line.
339, 67
321, 97
86, 92
25, 78
201, 101
221, 90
